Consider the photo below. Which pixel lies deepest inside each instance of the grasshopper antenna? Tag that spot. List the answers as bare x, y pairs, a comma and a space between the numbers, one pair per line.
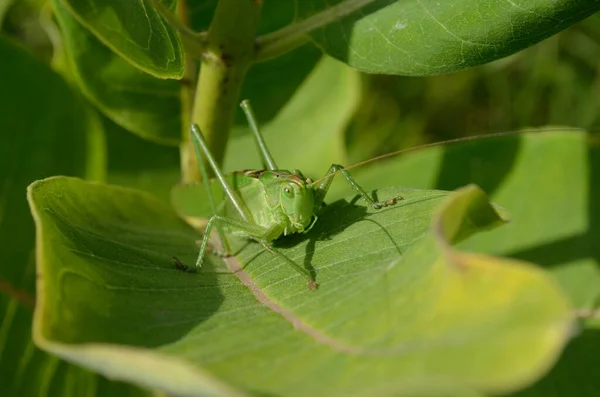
450, 141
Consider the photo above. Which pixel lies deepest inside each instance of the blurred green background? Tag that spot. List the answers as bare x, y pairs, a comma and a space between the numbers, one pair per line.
556, 82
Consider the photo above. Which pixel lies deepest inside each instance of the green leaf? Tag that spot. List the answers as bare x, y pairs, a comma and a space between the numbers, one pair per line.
558, 230
140, 164
135, 31
398, 310
271, 85
575, 374
145, 105
529, 174
549, 181
45, 129
422, 37
4, 6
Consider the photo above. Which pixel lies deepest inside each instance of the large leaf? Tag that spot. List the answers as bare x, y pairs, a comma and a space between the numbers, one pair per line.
44, 129
137, 163
421, 37
137, 101
559, 231
398, 310
270, 85
550, 182
135, 31
556, 230
576, 373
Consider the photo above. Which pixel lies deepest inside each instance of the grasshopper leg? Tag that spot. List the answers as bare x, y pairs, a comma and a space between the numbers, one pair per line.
249, 228
254, 232
323, 187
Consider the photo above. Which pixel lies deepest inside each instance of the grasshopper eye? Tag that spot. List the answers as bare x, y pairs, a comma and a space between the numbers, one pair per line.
288, 191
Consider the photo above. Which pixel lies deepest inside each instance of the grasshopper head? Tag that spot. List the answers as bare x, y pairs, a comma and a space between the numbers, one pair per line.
297, 202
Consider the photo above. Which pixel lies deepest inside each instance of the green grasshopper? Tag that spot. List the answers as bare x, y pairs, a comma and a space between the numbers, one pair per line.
269, 203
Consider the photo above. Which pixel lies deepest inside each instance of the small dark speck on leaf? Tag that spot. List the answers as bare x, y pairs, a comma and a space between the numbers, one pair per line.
182, 267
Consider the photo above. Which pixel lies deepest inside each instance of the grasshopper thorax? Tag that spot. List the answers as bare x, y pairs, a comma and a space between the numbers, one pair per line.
288, 194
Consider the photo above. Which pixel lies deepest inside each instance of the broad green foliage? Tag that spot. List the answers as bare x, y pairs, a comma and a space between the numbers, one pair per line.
150, 107
137, 101
511, 169
44, 130
4, 6
421, 37
392, 294
575, 374
273, 83
134, 30
422, 297
141, 164
557, 171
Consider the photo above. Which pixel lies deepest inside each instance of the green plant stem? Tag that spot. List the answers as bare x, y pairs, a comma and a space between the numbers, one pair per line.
230, 52
188, 87
292, 36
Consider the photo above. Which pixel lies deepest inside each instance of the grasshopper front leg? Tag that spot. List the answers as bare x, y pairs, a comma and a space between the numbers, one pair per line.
323, 187
252, 230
